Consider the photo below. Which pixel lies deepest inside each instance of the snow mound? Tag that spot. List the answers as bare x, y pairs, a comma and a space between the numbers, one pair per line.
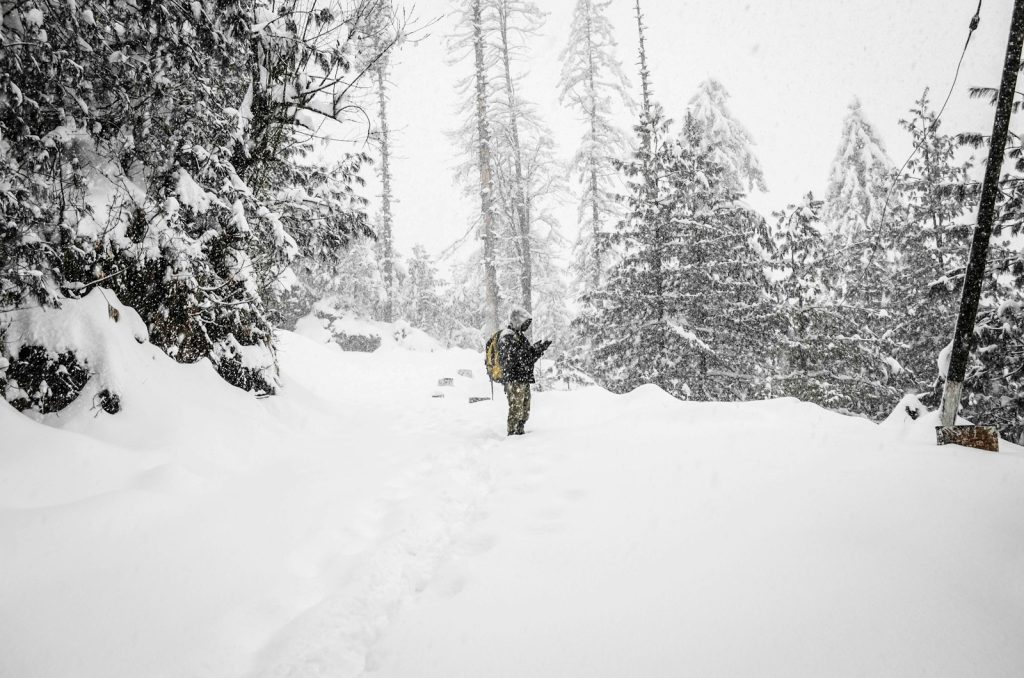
649, 395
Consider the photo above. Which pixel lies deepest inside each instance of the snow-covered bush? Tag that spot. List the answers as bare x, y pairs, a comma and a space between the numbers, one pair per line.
54, 355
164, 150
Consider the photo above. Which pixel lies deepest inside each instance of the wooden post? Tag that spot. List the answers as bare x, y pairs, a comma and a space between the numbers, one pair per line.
975, 273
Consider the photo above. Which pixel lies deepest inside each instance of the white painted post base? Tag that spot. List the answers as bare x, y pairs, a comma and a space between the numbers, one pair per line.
950, 403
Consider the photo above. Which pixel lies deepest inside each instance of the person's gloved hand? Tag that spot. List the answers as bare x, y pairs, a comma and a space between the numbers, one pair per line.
542, 346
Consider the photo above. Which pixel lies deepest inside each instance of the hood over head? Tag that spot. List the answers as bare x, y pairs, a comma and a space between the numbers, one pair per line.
519, 319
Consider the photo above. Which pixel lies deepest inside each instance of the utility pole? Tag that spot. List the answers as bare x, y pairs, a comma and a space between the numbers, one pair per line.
975, 273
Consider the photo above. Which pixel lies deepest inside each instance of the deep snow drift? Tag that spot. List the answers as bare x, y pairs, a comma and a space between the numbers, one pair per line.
356, 524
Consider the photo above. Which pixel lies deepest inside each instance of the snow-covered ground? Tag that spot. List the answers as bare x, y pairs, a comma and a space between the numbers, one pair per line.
355, 525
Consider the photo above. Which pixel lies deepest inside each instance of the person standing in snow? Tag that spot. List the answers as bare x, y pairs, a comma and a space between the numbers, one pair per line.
518, 356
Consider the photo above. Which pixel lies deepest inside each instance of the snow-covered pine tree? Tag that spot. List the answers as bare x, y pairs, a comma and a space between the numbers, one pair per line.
724, 139
476, 20
358, 288
592, 83
858, 179
862, 266
326, 199
801, 294
722, 283
421, 302
931, 246
624, 324
676, 309
811, 354
525, 176
543, 188
462, 315
827, 353
690, 276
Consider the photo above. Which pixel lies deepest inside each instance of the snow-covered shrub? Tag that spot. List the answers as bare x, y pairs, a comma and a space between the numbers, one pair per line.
43, 380
54, 355
564, 373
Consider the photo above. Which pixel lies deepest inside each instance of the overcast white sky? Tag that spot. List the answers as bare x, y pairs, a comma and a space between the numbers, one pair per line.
791, 66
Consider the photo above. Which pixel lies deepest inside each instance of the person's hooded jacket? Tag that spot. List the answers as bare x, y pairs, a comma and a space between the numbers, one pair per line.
517, 355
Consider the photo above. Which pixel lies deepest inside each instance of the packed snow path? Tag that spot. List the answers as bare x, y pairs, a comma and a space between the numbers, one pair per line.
355, 525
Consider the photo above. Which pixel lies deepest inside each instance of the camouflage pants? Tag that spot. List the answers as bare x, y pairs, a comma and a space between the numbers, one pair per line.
518, 406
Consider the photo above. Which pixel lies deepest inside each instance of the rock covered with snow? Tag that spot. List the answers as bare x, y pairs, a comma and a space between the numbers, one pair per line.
328, 323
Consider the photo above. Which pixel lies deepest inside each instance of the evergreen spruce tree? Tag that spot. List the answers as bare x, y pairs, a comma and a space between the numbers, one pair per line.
932, 242
801, 296
678, 307
858, 180
828, 352
863, 267
686, 307
726, 141
421, 299
814, 341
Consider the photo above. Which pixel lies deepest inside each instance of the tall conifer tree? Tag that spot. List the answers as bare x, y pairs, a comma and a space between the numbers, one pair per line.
591, 83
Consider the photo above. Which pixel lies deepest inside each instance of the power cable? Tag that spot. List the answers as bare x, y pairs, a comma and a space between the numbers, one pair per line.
975, 20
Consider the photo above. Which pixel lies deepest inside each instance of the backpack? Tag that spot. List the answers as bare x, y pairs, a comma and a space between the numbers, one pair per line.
492, 359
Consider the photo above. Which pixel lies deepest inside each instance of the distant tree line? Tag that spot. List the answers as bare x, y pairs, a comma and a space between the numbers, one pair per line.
848, 302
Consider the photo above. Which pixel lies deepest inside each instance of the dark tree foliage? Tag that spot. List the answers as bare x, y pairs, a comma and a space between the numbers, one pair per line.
686, 306
164, 150
930, 248
828, 352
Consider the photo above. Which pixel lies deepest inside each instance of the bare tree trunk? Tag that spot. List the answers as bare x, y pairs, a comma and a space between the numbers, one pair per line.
387, 243
486, 182
521, 214
645, 87
594, 203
